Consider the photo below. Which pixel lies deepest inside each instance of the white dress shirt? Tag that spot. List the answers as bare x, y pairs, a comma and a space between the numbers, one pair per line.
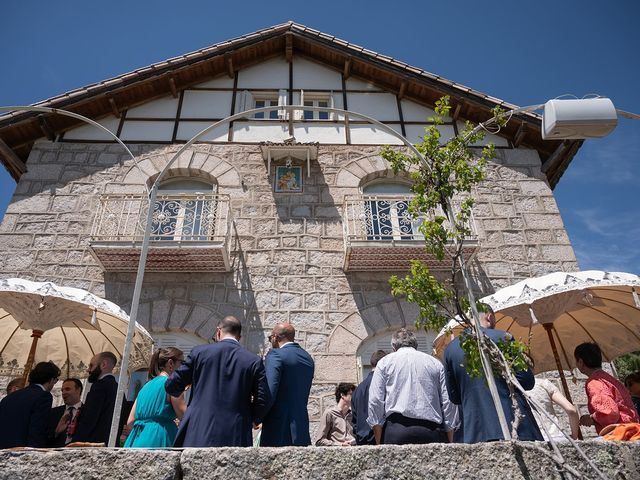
412, 384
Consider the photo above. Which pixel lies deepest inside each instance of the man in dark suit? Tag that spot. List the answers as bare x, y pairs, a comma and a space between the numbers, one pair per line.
479, 415
360, 405
63, 419
228, 391
289, 375
94, 423
24, 415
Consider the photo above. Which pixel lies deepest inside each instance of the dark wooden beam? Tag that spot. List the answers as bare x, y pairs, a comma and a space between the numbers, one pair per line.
114, 107
288, 49
228, 60
520, 134
15, 165
347, 67
172, 85
403, 89
45, 127
456, 111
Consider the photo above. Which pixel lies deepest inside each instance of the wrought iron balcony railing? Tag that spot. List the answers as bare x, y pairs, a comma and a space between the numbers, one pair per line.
190, 232
381, 234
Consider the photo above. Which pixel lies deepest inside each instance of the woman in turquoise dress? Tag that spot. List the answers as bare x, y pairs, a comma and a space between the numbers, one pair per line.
153, 416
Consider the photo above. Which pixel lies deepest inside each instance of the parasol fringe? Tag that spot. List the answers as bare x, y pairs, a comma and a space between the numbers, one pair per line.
636, 298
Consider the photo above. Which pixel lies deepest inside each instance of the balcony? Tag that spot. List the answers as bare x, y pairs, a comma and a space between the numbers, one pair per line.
380, 235
190, 233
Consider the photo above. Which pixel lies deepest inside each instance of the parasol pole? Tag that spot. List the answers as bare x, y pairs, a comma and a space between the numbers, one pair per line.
35, 334
549, 327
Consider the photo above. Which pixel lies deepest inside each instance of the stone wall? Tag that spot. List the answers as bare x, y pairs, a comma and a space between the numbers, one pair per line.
288, 253
500, 460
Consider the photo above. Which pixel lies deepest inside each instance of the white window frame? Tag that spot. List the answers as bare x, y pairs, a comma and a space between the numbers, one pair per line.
250, 100
265, 101
314, 99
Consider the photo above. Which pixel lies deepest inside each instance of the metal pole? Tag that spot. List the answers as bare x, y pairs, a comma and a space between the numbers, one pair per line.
66, 113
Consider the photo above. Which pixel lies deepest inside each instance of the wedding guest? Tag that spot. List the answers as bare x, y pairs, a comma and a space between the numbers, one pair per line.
479, 416
336, 427
94, 423
360, 405
153, 416
608, 401
547, 395
64, 419
229, 391
408, 398
632, 382
289, 369
24, 415
15, 385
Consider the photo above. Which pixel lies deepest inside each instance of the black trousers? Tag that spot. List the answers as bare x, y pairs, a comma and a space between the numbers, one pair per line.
401, 430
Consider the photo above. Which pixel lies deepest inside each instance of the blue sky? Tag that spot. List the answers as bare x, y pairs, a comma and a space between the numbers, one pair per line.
522, 52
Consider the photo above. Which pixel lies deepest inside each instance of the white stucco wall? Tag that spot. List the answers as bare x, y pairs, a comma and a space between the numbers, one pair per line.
270, 79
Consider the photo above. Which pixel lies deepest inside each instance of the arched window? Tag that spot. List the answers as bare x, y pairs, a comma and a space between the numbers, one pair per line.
185, 210
387, 212
382, 341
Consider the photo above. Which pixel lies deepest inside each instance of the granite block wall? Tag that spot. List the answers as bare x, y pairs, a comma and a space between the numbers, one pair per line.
288, 249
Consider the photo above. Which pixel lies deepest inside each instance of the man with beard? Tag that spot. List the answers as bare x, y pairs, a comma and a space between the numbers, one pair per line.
94, 424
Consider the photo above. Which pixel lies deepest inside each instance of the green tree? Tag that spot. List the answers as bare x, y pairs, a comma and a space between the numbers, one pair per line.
443, 185
626, 364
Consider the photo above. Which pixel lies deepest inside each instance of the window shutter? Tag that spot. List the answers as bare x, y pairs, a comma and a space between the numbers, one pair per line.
244, 101
299, 114
282, 100
332, 115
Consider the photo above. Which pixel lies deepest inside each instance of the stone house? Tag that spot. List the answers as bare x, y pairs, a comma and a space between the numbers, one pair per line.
277, 217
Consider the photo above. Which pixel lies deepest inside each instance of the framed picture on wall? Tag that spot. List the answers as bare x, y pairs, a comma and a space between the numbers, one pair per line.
288, 179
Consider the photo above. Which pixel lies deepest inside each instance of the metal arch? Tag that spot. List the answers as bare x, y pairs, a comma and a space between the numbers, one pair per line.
66, 113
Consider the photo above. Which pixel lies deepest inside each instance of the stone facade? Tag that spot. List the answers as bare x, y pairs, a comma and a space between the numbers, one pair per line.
498, 460
287, 250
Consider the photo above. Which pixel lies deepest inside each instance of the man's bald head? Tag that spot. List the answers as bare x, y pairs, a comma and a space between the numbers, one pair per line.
282, 333
230, 326
286, 330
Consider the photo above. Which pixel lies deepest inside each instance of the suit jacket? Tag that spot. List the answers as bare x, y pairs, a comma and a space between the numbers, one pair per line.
24, 416
289, 375
94, 423
360, 410
54, 440
479, 415
228, 391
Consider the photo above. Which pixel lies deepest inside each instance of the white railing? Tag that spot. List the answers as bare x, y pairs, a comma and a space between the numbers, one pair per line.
381, 218
177, 218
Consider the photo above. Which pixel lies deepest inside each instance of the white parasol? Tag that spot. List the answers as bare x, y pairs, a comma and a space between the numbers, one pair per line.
43, 321
555, 313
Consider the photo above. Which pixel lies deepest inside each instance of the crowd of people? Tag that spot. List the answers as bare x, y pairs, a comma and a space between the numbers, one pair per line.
409, 397
31, 422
